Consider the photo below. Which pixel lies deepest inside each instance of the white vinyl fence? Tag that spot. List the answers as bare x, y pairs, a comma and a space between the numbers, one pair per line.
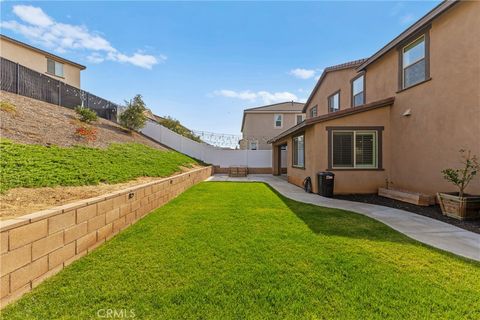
207, 153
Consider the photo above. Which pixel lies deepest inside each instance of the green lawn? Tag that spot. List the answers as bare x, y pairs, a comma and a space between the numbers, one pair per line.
24, 165
239, 250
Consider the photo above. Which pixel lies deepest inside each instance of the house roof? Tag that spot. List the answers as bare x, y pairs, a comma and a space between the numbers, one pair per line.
283, 107
334, 115
46, 53
342, 66
417, 26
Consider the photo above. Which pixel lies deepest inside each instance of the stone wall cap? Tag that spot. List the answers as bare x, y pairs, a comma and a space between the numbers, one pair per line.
43, 214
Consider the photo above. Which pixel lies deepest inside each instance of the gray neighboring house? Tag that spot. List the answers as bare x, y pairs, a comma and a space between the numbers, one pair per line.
261, 124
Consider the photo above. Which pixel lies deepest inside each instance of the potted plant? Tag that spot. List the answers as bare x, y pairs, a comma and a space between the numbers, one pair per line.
460, 205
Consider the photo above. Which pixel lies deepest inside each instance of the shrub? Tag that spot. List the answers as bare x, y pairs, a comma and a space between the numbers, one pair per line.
86, 115
462, 177
176, 126
8, 107
134, 117
86, 133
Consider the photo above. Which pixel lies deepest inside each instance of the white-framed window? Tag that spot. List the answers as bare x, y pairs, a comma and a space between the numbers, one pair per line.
278, 120
354, 149
334, 102
298, 144
414, 62
314, 112
300, 118
358, 91
253, 145
55, 68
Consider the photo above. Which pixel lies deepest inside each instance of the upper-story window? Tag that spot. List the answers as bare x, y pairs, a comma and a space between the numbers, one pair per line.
414, 62
55, 68
300, 118
358, 91
334, 102
278, 120
313, 112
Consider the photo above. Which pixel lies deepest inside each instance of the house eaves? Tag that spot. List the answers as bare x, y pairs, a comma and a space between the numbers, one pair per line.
417, 26
46, 53
264, 109
274, 104
334, 115
338, 67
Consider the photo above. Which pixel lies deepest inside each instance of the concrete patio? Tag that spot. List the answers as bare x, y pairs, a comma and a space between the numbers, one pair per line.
429, 231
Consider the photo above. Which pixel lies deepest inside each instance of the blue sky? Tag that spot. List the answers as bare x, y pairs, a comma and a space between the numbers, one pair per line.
204, 62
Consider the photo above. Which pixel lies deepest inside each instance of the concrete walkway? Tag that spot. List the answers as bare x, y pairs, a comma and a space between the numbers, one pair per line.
430, 231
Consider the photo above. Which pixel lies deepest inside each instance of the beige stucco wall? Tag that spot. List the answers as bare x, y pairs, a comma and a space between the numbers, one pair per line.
445, 113
333, 81
261, 127
37, 61
316, 155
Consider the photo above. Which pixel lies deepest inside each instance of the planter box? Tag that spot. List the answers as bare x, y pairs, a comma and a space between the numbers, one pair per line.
462, 208
416, 198
237, 171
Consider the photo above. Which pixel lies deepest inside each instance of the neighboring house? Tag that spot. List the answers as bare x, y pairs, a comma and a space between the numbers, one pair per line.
42, 61
263, 123
399, 117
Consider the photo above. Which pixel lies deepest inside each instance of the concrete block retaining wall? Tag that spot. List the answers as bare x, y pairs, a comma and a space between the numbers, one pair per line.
38, 245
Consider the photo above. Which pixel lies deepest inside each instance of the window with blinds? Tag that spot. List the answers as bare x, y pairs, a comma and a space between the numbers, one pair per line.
342, 149
54, 67
354, 149
299, 151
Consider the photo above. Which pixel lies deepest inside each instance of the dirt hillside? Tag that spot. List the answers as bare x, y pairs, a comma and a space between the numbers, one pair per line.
37, 122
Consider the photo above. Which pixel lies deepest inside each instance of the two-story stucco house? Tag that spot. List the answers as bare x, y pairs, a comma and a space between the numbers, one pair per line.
398, 117
261, 124
41, 61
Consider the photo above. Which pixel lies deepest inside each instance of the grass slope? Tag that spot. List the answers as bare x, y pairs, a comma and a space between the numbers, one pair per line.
25, 165
239, 250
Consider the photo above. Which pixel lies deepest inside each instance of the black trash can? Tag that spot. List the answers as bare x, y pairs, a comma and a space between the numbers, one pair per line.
325, 183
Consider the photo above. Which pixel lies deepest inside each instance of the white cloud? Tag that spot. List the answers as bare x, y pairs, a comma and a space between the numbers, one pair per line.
95, 58
242, 95
137, 59
302, 73
264, 96
399, 11
397, 8
268, 97
61, 37
32, 15
407, 18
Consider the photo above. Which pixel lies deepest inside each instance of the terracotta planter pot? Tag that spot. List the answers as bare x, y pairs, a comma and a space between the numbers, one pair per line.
462, 208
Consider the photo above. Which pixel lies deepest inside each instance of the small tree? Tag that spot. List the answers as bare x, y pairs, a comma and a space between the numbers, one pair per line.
175, 125
462, 177
134, 117
86, 115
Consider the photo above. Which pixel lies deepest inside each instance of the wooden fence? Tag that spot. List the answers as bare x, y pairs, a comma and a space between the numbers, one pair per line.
33, 84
